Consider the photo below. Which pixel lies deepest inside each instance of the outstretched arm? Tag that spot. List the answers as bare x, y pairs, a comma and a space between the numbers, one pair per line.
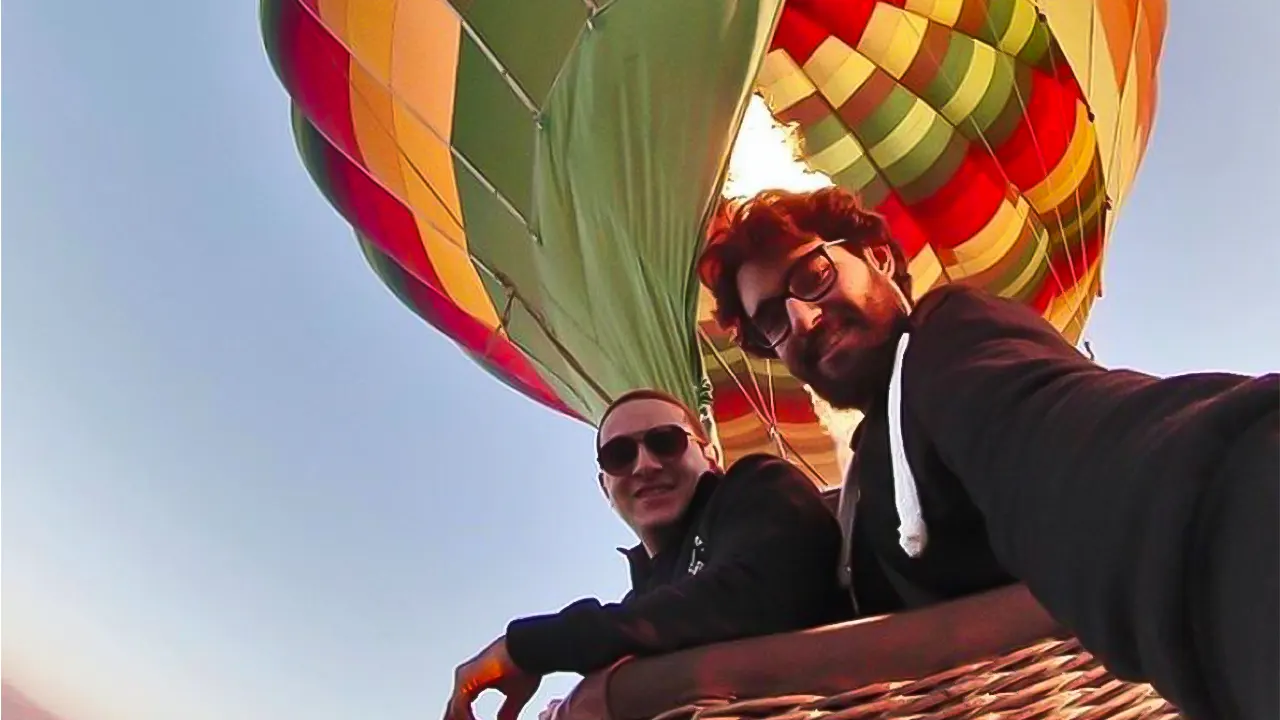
1130, 505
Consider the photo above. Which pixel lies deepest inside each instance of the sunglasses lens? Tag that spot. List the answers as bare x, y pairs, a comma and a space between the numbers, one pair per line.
618, 454
754, 338
812, 276
667, 442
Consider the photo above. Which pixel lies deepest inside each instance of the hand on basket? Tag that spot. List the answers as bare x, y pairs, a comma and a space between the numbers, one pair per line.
493, 669
549, 712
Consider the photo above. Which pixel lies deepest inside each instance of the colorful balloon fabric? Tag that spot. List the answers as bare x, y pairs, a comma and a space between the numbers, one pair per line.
533, 178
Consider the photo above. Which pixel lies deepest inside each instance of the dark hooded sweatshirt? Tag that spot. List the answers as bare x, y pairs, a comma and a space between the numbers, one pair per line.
1141, 512
756, 557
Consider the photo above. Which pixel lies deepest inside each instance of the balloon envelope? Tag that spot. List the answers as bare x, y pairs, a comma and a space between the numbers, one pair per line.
533, 178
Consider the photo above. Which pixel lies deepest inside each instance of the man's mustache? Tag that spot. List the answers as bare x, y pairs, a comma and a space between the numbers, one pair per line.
834, 322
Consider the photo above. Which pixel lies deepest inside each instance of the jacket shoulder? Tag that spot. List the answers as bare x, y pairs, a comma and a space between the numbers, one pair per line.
756, 465
966, 305
949, 297
762, 474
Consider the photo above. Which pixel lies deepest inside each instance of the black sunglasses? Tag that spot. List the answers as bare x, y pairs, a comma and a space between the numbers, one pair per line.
664, 442
809, 278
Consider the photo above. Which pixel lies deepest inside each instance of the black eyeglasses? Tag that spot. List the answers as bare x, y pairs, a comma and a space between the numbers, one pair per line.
810, 276
664, 442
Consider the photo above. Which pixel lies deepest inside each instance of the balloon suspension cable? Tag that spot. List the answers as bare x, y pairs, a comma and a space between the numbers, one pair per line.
492, 57
504, 322
773, 400
977, 132
1133, 48
746, 360
508, 301
770, 426
1075, 190
1044, 168
509, 288
767, 407
1110, 205
435, 132
568, 356
1088, 63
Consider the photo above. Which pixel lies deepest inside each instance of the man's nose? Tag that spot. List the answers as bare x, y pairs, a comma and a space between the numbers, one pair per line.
645, 461
803, 315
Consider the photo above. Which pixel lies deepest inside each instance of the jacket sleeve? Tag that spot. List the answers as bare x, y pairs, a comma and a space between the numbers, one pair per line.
772, 568
1110, 494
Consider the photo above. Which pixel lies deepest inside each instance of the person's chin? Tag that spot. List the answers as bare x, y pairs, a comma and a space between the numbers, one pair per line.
658, 511
835, 392
658, 524
842, 362
843, 375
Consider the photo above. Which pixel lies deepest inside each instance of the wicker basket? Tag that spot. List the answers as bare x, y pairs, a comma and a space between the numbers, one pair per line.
1049, 679
995, 656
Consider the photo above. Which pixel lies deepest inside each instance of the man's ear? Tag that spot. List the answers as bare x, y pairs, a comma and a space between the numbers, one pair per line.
603, 488
880, 258
712, 453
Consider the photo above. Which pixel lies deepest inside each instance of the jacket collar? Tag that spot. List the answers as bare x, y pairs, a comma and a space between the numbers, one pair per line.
919, 315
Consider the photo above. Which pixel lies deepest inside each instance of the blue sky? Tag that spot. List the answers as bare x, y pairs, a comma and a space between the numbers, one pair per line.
242, 481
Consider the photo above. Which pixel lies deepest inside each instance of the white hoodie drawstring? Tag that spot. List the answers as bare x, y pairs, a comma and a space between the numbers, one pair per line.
912, 533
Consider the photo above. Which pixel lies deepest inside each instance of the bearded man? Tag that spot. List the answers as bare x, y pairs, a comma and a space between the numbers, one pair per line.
1142, 512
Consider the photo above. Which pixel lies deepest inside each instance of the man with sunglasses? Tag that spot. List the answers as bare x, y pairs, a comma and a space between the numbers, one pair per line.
721, 555
1141, 512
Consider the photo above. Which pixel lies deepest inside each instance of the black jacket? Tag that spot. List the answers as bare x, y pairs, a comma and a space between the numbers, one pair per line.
1141, 512
758, 557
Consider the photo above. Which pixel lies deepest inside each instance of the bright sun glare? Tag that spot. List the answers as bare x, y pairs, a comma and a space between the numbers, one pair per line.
766, 155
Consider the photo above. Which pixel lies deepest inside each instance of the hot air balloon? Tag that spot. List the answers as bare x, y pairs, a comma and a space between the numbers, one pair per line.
533, 178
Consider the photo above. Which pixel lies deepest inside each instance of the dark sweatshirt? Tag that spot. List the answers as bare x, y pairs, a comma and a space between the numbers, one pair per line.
757, 556
1141, 512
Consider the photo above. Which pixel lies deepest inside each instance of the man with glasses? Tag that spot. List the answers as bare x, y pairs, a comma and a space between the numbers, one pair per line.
722, 555
1141, 512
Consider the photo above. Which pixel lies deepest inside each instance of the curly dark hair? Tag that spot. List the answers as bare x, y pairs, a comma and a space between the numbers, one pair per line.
769, 222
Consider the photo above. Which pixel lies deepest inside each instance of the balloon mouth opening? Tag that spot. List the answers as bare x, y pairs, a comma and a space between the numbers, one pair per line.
766, 155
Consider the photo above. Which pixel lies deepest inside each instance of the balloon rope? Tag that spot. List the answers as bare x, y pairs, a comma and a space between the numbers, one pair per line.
1075, 191
1138, 17
1115, 138
751, 373
503, 321
1089, 69
773, 400
1044, 166
771, 427
509, 287
568, 356
512, 83
1088, 63
981, 138
769, 410
413, 112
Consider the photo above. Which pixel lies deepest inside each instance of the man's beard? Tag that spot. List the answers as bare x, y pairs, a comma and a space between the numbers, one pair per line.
855, 379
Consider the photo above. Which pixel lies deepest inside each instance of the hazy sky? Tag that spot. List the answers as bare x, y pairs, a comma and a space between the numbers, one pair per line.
241, 481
